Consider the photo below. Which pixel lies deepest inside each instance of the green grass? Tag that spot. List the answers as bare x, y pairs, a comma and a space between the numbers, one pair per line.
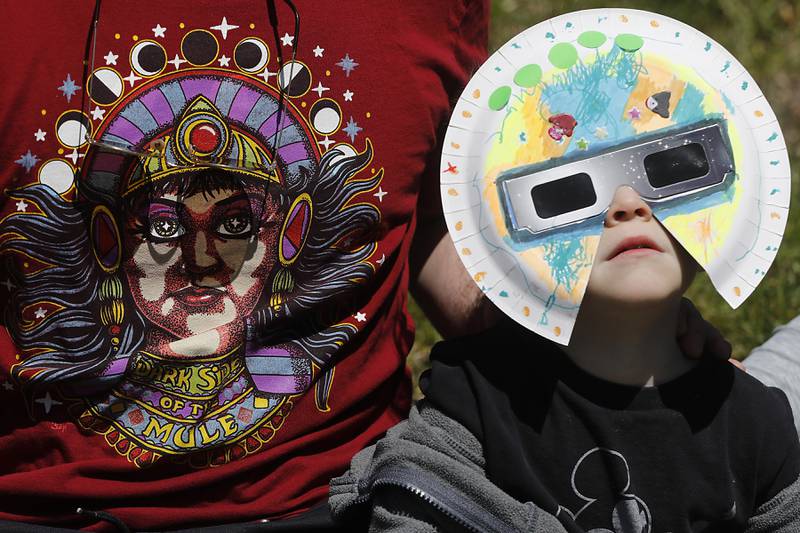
765, 36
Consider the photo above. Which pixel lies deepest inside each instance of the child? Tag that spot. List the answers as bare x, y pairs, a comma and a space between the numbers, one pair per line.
617, 431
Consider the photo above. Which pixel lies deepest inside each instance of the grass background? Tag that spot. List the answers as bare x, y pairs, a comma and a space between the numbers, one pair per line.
765, 36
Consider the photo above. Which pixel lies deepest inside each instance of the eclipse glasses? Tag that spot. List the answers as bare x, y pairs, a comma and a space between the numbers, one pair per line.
663, 168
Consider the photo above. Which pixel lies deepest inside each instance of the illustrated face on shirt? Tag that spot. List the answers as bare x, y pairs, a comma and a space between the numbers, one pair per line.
637, 261
196, 266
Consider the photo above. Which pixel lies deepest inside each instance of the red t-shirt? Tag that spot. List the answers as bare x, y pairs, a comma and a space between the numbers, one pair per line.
190, 345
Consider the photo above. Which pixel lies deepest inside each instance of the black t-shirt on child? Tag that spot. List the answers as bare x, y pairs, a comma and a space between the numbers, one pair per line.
699, 453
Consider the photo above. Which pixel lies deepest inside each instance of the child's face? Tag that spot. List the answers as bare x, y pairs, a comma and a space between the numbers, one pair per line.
637, 261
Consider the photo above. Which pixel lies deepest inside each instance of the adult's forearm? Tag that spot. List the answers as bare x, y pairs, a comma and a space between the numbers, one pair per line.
443, 288
777, 363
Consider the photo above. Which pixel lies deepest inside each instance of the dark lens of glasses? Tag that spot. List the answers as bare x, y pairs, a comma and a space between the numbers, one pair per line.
676, 165
564, 195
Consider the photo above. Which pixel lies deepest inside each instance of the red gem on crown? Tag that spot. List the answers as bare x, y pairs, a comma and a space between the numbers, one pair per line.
205, 138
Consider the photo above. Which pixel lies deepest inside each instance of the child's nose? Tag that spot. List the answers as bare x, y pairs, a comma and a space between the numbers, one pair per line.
627, 205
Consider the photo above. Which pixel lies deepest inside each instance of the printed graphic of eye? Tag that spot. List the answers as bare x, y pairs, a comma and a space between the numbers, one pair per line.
164, 228
235, 226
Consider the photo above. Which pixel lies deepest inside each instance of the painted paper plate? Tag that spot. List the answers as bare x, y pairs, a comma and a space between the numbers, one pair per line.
578, 86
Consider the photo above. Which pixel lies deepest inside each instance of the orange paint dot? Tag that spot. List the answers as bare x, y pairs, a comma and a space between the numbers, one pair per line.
43, 112
60, 151
479, 276
654, 23
737, 291
557, 331
466, 251
181, 25
459, 225
452, 192
775, 216
526, 311
368, 114
466, 114
623, 18
252, 26
455, 145
758, 113
135, 37
476, 93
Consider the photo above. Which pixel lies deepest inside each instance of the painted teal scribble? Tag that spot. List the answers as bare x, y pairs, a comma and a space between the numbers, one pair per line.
565, 258
690, 106
726, 67
602, 88
774, 162
503, 294
745, 85
773, 192
728, 104
772, 137
550, 35
708, 46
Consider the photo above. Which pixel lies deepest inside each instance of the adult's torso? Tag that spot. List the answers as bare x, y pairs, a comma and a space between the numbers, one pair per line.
257, 429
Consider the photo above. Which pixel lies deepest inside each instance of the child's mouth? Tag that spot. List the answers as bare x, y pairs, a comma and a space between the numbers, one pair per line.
632, 246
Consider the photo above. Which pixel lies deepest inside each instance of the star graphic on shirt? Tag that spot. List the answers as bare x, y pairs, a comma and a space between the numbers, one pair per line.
287, 40
131, 78
380, 194
347, 64
601, 133
320, 89
381, 260
111, 58
224, 61
361, 317
223, 27
583, 144
159, 30
267, 75
40, 313
318, 51
177, 61
326, 142
48, 402
22, 206
39, 134
69, 88
74, 156
352, 129
348, 95
8, 285
27, 160
8, 386
634, 113
97, 113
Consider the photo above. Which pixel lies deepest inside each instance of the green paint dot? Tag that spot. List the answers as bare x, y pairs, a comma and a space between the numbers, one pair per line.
528, 76
591, 39
629, 42
499, 98
563, 55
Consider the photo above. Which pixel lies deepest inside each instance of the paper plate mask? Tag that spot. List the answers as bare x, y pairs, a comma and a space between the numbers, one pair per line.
574, 107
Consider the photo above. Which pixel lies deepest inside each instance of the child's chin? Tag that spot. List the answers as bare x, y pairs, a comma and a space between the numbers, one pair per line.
639, 288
